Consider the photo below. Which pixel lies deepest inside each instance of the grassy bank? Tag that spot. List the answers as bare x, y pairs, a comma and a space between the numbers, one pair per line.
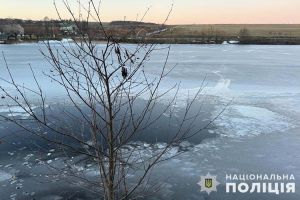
245, 33
268, 34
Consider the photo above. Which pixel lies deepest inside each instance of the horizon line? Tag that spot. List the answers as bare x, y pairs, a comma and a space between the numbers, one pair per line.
7, 18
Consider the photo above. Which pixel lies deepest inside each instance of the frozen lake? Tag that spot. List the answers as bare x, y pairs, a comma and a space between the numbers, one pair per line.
258, 132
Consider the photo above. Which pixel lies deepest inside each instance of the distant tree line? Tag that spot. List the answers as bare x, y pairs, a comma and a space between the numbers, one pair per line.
13, 29
29, 29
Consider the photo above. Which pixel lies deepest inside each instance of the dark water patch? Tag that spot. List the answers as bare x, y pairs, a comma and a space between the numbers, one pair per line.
67, 119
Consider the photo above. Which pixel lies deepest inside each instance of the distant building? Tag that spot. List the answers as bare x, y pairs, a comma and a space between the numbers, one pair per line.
68, 29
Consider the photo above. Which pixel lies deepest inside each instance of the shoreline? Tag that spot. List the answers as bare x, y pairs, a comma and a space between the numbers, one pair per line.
225, 42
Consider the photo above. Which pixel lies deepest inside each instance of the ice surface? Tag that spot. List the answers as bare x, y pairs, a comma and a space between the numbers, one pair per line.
15, 111
52, 197
241, 120
4, 176
254, 76
262, 81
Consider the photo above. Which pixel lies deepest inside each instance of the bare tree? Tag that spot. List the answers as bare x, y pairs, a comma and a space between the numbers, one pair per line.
105, 85
244, 35
12, 30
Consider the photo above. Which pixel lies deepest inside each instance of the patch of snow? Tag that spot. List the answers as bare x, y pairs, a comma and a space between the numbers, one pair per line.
233, 42
27, 157
67, 40
225, 42
161, 145
8, 166
13, 196
4, 176
222, 88
243, 120
146, 145
185, 144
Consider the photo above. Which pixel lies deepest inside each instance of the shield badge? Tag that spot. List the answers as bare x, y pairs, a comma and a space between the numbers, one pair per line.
208, 183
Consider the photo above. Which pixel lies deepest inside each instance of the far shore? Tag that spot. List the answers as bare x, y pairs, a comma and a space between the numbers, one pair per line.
25, 31
174, 41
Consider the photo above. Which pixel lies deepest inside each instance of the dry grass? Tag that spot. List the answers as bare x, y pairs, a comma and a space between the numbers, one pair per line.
232, 30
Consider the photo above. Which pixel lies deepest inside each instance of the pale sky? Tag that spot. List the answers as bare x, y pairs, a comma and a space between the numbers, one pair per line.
184, 11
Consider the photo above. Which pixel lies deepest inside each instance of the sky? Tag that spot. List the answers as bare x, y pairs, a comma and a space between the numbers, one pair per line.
183, 11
